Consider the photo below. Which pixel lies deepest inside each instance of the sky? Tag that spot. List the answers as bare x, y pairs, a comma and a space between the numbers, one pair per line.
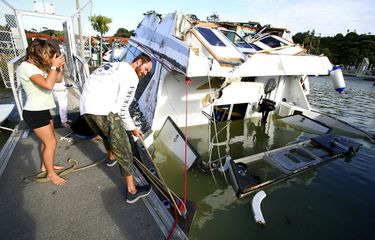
327, 17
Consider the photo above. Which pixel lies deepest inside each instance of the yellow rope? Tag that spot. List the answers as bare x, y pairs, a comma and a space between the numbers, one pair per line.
162, 187
42, 176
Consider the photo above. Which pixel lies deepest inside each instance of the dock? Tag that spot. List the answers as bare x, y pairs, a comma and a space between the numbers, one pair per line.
90, 206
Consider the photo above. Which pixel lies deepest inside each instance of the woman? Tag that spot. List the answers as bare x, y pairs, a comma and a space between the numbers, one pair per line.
39, 73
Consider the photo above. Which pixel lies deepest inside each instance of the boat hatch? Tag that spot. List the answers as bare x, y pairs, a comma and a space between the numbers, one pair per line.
218, 45
173, 138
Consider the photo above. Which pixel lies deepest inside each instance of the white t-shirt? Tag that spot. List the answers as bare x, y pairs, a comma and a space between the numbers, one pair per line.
110, 88
38, 98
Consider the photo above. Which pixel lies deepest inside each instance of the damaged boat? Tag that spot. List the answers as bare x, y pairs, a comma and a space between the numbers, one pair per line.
197, 65
206, 76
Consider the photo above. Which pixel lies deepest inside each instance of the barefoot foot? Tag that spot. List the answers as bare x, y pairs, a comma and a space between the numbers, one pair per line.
56, 179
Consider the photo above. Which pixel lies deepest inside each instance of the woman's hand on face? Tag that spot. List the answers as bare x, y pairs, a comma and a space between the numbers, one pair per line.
58, 61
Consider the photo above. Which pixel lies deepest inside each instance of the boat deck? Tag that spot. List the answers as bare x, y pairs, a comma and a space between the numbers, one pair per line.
90, 206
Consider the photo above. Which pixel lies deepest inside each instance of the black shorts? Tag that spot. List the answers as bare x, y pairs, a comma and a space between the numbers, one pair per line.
37, 119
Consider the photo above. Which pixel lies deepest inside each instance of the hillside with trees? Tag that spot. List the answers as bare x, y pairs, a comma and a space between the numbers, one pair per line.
348, 50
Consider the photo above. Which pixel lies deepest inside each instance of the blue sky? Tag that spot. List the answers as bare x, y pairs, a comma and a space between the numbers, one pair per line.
327, 17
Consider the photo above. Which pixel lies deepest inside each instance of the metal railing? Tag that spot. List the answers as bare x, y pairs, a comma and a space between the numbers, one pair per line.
15, 83
80, 71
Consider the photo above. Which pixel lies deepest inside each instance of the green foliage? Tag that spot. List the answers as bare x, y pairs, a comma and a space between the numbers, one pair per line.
122, 32
100, 24
347, 50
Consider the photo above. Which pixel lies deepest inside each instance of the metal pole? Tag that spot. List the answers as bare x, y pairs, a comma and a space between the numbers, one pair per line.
80, 31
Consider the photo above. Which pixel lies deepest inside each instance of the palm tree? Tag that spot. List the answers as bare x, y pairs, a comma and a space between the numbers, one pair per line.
100, 24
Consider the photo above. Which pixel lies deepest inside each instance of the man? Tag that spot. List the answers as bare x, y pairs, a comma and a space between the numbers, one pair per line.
106, 95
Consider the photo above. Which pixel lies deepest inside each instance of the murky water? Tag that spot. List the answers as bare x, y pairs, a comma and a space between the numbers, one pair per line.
335, 201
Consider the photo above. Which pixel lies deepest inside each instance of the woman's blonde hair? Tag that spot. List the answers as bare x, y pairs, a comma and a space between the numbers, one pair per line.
39, 53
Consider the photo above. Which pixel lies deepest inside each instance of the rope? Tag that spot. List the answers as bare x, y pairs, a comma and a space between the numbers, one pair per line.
161, 186
216, 136
187, 82
177, 208
174, 225
42, 176
162, 182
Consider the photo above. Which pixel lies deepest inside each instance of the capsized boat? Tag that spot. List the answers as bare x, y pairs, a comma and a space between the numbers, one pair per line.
205, 77
202, 76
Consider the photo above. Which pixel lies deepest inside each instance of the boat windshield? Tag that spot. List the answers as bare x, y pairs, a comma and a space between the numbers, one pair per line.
273, 42
210, 37
238, 41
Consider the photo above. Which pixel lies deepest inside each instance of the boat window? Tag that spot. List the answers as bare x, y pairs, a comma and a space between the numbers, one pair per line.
238, 41
210, 37
272, 42
230, 35
255, 47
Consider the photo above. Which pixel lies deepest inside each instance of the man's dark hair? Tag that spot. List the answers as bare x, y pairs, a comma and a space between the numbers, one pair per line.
144, 57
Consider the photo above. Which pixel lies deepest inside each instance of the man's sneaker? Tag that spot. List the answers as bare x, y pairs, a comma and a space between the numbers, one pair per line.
142, 191
110, 163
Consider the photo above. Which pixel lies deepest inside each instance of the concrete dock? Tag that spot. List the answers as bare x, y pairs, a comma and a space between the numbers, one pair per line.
90, 206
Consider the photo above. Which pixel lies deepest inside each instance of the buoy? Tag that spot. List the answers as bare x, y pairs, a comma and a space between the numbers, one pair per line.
337, 79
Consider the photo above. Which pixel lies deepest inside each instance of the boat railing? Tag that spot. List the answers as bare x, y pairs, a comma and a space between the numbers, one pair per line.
15, 84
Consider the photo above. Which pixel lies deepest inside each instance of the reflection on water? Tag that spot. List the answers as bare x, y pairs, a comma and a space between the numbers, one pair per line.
355, 105
331, 202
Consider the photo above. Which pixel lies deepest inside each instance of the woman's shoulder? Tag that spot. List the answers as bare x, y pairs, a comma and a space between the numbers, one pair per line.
29, 69
28, 65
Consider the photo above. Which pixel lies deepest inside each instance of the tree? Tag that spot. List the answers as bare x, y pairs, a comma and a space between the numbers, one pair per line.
214, 17
123, 32
348, 50
100, 24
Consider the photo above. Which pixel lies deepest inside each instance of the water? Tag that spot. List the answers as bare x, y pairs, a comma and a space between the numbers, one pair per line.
335, 201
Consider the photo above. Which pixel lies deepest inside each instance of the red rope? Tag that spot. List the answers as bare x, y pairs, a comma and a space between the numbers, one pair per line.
187, 81
174, 225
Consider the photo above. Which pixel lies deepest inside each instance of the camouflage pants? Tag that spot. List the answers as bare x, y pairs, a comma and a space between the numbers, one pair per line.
115, 138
